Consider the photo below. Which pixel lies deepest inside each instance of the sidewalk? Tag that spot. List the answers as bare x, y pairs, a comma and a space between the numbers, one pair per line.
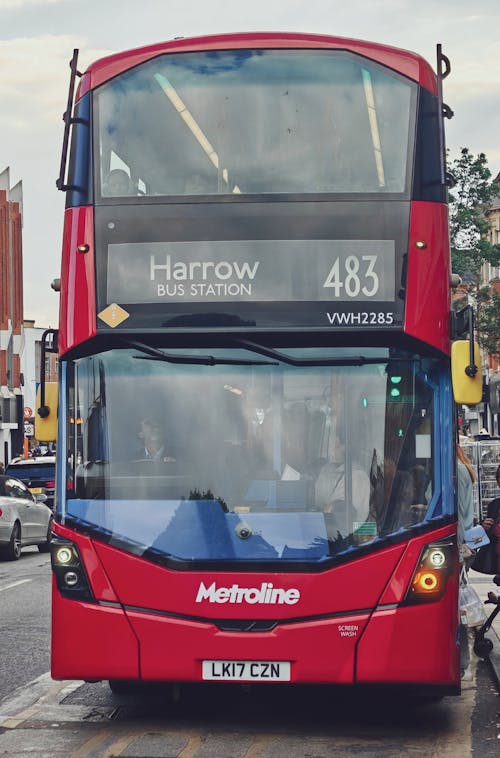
483, 584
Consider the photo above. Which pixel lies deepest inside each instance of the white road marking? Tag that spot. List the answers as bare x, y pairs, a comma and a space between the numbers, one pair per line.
40, 695
15, 584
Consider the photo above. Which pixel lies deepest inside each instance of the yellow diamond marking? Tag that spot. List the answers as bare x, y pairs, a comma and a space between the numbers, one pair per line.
113, 315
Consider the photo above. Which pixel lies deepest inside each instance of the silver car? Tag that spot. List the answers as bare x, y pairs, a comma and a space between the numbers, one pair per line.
24, 519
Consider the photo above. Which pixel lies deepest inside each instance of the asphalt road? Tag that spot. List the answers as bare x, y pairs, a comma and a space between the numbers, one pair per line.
24, 619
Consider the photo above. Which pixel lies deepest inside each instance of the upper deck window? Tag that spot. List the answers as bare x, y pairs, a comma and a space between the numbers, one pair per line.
254, 121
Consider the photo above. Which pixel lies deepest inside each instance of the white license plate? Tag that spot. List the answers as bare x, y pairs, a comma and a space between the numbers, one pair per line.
246, 671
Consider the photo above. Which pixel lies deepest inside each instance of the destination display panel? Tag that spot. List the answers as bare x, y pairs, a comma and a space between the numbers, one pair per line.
180, 272
252, 270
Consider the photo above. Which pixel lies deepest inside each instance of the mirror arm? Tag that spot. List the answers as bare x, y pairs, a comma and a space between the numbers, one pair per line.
471, 370
443, 70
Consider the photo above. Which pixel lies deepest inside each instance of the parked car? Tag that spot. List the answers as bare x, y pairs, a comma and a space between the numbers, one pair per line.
24, 519
38, 474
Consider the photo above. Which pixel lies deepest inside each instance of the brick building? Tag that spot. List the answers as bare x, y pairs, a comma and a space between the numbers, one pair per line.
11, 318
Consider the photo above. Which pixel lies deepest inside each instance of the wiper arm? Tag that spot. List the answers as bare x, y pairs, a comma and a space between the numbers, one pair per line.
352, 360
154, 354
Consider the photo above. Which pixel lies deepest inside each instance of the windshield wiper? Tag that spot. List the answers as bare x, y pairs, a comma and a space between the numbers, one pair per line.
154, 354
348, 360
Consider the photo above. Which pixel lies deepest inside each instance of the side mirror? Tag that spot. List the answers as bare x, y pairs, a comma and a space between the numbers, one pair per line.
466, 374
41, 498
46, 396
46, 413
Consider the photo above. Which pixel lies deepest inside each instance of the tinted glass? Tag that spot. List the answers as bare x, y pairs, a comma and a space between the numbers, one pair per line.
32, 471
249, 463
254, 121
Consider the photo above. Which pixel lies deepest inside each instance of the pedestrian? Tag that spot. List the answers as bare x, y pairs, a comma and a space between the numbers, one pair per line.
466, 478
492, 521
465, 507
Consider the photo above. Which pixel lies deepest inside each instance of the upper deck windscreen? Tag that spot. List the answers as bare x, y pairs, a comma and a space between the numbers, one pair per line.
254, 121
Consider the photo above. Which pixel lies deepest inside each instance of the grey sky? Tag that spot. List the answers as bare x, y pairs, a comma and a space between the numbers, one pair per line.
37, 38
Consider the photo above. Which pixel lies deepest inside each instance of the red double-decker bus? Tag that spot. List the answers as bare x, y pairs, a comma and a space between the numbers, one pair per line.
255, 425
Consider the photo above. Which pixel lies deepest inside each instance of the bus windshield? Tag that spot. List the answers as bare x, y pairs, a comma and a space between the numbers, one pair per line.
254, 121
248, 459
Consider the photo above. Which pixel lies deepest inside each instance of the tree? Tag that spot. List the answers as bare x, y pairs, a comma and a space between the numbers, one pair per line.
488, 320
470, 201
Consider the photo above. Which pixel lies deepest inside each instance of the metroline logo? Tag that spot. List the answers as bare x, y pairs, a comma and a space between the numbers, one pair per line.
266, 594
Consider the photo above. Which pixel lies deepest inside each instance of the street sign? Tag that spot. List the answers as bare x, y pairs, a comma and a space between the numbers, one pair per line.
29, 429
27, 412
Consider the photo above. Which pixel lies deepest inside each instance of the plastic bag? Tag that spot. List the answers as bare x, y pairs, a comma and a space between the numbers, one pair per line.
472, 612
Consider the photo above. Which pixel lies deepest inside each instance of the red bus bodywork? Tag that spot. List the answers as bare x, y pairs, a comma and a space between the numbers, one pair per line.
143, 612
354, 627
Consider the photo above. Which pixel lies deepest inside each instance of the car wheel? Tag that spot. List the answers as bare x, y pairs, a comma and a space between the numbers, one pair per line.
44, 547
13, 549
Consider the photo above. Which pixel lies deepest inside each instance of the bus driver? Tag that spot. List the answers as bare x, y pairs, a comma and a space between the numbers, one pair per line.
154, 447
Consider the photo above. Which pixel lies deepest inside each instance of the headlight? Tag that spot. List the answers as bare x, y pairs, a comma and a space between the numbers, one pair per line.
69, 570
434, 568
64, 555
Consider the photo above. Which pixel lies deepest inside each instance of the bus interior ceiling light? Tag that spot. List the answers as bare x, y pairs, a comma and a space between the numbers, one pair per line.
372, 118
193, 126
